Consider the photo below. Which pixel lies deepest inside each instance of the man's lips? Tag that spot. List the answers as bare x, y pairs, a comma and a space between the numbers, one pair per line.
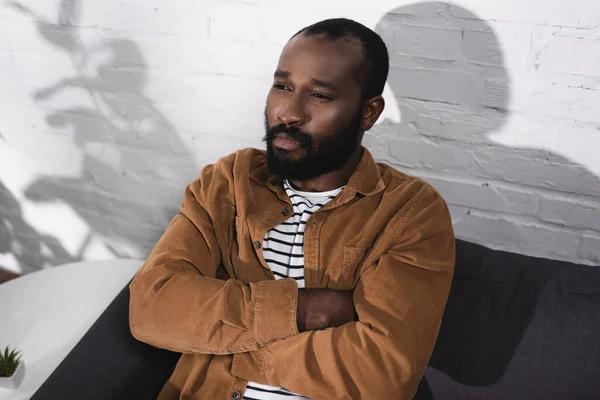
286, 143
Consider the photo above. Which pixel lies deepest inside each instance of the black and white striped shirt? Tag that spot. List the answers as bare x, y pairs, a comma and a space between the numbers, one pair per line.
284, 253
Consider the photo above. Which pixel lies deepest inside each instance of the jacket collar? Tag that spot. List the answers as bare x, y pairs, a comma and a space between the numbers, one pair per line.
365, 180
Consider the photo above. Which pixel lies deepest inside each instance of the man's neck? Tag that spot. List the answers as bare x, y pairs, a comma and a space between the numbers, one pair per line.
331, 180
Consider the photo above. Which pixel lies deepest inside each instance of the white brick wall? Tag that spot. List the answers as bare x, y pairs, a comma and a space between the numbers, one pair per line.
111, 107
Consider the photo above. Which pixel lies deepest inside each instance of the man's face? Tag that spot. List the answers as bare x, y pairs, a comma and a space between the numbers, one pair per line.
313, 113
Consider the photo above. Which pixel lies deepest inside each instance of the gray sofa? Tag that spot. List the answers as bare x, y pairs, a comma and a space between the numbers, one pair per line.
515, 327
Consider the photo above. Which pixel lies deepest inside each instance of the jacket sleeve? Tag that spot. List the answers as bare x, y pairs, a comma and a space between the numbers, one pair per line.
178, 304
399, 300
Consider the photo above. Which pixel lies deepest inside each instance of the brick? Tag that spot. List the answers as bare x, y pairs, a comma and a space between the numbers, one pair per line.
210, 93
589, 250
418, 41
125, 224
139, 125
97, 249
426, 14
482, 48
26, 76
399, 111
377, 143
218, 57
30, 41
343, 6
459, 123
572, 56
489, 48
522, 167
131, 217
557, 144
544, 94
570, 211
208, 149
181, 55
249, 23
534, 11
52, 152
123, 188
433, 85
146, 19
177, 18
424, 155
512, 234
483, 195
21, 11
496, 94
462, 81
247, 123
127, 236
166, 169
517, 167
63, 228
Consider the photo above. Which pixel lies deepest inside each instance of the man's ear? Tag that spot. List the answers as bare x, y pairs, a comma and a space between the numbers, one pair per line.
371, 112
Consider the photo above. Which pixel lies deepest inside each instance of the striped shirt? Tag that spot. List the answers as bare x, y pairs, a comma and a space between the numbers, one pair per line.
284, 253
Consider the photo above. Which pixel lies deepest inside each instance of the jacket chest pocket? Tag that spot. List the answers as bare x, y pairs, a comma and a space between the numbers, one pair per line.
344, 275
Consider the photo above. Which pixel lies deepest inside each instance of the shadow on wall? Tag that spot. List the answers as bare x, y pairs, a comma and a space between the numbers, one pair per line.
446, 106
452, 88
29, 248
134, 166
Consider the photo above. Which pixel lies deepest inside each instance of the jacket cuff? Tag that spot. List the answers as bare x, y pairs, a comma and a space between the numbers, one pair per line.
275, 307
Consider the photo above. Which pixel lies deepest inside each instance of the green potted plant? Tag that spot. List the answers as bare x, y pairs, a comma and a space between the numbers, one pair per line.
12, 369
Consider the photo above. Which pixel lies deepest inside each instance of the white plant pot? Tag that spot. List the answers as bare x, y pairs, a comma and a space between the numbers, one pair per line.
14, 381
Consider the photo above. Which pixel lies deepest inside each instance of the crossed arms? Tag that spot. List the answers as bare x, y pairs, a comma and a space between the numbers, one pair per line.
369, 343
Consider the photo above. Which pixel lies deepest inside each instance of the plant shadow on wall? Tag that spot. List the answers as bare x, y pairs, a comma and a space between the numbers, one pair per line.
134, 166
31, 249
452, 89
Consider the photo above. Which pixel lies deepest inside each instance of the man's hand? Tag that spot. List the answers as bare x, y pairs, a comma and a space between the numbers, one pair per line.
318, 308
324, 308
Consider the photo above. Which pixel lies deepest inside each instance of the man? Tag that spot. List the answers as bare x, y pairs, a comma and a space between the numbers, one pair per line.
308, 270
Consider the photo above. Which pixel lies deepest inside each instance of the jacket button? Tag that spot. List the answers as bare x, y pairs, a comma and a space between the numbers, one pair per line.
285, 212
257, 245
235, 396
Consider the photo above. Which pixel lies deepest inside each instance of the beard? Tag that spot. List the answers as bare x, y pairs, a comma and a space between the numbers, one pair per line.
320, 157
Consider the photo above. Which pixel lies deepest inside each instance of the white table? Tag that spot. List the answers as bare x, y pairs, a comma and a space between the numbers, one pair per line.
44, 314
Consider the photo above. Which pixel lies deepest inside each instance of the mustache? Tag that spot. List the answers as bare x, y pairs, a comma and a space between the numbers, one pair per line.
293, 132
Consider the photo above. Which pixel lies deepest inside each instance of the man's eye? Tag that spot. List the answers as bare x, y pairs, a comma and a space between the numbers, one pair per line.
321, 96
279, 86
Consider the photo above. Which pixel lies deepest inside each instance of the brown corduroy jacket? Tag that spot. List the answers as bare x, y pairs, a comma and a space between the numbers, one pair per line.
386, 236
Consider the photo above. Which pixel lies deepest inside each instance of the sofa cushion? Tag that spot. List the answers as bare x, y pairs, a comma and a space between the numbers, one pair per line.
517, 327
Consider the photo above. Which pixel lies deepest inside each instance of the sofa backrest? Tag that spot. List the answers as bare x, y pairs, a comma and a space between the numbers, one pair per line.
517, 327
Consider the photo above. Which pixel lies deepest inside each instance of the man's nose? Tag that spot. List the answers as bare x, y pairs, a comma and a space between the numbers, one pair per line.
292, 112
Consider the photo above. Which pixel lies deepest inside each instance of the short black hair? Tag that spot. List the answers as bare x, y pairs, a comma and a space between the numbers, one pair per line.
376, 65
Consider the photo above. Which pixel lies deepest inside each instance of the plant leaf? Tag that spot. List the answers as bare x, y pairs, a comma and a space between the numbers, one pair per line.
9, 361
60, 37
